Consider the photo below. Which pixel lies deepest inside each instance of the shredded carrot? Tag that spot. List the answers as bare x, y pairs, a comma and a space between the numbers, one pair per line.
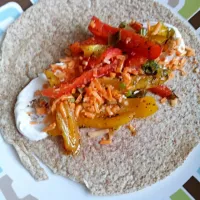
189, 51
62, 98
91, 108
72, 106
178, 41
73, 91
41, 110
89, 115
130, 70
126, 78
163, 100
92, 24
50, 127
183, 73
110, 134
157, 28
103, 141
132, 129
86, 99
178, 53
96, 106
112, 75
96, 95
171, 75
37, 93
109, 111
182, 62
97, 84
121, 63
110, 92
78, 110
33, 122
115, 109
29, 113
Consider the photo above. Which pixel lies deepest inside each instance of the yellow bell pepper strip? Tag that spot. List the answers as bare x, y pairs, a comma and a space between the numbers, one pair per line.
101, 122
140, 107
53, 80
68, 126
136, 108
54, 132
96, 49
138, 82
162, 35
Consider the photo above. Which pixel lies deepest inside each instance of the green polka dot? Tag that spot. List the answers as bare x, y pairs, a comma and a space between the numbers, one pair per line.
190, 7
180, 195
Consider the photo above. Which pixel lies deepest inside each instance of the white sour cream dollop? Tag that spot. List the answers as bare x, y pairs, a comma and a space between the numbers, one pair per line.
23, 108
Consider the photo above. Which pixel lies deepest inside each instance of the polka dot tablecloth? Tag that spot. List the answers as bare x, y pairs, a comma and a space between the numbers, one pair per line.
17, 184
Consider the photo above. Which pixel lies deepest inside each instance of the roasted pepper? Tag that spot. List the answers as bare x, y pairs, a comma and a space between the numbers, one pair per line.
138, 82
53, 80
96, 49
136, 108
68, 126
102, 122
163, 34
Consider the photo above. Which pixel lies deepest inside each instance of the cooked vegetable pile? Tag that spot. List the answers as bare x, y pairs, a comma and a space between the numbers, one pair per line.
105, 81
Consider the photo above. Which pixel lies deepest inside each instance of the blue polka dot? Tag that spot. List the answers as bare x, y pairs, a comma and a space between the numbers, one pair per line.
34, 1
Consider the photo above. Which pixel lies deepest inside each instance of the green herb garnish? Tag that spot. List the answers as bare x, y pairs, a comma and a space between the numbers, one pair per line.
143, 31
123, 25
122, 86
128, 94
151, 67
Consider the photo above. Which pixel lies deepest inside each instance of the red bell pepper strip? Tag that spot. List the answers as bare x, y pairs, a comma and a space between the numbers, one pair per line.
106, 56
94, 40
134, 43
84, 79
110, 53
135, 61
75, 48
162, 91
98, 28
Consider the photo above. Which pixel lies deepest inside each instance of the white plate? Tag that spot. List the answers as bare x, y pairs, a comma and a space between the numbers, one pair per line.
60, 188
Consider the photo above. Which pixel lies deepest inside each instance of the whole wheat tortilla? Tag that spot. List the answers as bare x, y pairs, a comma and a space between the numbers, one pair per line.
163, 141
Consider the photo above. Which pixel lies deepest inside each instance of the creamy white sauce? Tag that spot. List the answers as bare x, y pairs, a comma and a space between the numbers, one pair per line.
34, 132
181, 47
22, 107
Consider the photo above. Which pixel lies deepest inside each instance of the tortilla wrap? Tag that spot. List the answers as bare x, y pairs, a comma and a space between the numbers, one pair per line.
163, 140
